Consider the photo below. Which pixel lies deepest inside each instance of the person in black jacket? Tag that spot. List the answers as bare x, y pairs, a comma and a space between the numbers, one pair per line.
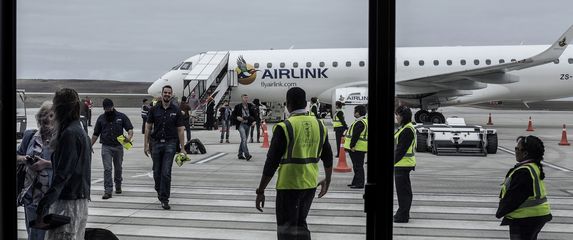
356, 143
404, 162
523, 199
244, 117
69, 192
225, 120
257, 125
314, 106
339, 125
210, 124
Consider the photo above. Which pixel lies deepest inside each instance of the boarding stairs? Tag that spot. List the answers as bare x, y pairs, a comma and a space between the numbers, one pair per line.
209, 78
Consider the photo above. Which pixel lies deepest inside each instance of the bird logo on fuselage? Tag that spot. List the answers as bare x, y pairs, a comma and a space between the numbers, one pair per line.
245, 72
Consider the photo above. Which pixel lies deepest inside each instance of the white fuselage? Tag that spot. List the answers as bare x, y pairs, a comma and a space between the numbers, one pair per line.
320, 71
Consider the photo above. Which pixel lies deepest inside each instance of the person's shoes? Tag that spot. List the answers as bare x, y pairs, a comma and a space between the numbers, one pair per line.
106, 196
118, 190
221, 141
336, 156
249, 157
400, 220
165, 205
241, 157
258, 141
350, 185
357, 187
251, 140
227, 141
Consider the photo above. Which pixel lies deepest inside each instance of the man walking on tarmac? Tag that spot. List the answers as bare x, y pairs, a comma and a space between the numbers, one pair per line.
356, 143
244, 117
110, 125
167, 138
339, 125
297, 145
144, 109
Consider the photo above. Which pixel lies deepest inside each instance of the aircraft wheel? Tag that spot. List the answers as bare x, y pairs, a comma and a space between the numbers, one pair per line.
422, 116
437, 117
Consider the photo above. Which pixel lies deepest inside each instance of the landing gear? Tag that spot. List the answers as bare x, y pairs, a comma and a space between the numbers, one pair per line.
423, 116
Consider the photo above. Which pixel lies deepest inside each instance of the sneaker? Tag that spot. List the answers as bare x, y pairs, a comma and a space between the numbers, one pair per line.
227, 141
165, 205
106, 196
249, 157
400, 220
241, 157
357, 187
118, 190
222, 141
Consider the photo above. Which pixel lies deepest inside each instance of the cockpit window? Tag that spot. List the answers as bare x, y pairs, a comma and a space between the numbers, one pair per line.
185, 66
176, 66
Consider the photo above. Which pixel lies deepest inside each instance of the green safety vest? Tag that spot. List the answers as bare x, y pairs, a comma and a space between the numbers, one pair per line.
305, 136
335, 121
409, 160
362, 143
534, 206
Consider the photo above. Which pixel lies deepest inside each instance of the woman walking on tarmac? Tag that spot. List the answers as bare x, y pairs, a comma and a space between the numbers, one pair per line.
523, 198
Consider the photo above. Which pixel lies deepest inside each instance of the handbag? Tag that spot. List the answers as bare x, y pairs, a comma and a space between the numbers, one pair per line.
53, 221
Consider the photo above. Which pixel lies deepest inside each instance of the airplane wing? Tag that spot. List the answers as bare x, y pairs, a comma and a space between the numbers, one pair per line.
459, 83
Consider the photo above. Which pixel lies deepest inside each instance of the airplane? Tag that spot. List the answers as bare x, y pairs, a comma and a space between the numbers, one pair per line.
426, 77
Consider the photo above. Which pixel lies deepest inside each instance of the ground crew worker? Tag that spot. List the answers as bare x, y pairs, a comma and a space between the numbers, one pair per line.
404, 162
523, 198
295, 149
356, 143
339, 125
314, 106
110, 125
144, 109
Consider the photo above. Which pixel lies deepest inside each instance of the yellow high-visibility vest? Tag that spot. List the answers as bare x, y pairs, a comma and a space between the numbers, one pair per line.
533, 206
409, 159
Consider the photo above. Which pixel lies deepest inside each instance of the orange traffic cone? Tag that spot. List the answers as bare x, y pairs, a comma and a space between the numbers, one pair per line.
342, 166
564, 141
529, 126
489, 120
265, 135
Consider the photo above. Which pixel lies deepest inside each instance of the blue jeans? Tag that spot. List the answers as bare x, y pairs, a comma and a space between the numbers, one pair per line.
225, 124
244, 132
109, 155
29, 215
162, 155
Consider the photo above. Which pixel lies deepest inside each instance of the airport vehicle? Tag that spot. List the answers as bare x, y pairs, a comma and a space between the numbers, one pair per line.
426, 77
21, 117
455, 138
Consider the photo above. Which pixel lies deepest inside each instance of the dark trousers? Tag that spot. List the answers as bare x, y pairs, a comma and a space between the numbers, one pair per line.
187, 130
258, 127
357, 159
292, 207
143, 125
89, 116
519, 231
338, 131
162, 155
404, 192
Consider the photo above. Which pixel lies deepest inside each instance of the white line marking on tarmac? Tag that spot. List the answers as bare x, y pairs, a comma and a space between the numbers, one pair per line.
211, 158
149, 174
97, 180
544, 162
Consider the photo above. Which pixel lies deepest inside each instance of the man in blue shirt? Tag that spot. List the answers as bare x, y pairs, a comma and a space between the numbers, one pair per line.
109, 126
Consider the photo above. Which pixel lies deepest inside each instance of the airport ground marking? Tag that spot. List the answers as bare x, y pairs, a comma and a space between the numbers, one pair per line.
544, 162
211, 158
149, 174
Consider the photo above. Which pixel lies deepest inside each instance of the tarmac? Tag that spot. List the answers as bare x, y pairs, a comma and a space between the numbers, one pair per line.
213, 196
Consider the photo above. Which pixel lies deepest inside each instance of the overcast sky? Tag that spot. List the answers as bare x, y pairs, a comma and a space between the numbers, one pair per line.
139, 40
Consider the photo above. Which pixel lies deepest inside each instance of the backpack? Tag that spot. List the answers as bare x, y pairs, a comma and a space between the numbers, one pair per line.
195, 146
99, 234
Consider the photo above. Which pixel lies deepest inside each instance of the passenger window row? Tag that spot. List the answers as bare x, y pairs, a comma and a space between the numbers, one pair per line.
475, 62
309, 64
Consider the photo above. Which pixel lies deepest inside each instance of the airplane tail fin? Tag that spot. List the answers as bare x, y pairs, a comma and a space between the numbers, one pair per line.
558, 47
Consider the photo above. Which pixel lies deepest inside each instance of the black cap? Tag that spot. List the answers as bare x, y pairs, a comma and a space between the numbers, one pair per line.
107, 103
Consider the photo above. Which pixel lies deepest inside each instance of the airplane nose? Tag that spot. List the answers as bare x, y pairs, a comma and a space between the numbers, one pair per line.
155, 88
